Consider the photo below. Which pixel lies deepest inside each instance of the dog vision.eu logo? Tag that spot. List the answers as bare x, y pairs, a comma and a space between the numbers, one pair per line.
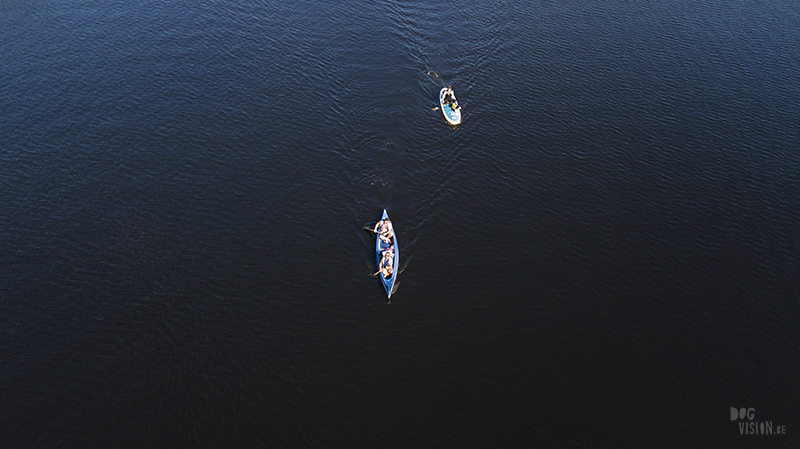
748, 425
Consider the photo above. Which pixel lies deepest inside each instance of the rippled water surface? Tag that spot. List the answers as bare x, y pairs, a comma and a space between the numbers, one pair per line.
603, 254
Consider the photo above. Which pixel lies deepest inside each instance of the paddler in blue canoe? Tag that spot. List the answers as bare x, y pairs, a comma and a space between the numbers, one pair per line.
387, 263
384, 230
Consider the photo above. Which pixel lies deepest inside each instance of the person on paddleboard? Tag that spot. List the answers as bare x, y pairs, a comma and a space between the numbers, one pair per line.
450, 99
384, 230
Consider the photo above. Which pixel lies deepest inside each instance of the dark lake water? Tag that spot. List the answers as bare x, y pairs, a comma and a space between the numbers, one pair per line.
603, 254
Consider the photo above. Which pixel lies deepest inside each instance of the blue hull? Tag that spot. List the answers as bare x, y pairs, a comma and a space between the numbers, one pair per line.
381, 246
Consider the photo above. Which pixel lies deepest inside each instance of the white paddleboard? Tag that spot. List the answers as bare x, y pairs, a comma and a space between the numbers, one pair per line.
450, 110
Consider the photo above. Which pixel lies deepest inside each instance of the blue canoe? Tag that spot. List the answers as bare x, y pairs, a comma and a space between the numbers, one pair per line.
453, 116
380, 248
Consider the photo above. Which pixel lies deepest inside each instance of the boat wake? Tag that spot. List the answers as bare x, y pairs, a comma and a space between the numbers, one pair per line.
435, 77
404, 264
380, 179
